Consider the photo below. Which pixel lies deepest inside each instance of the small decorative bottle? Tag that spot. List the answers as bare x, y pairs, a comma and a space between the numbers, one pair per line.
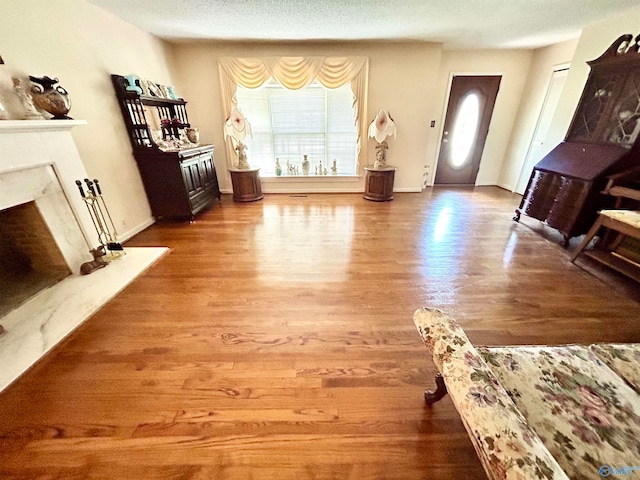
305, 166
320, 169
278, 167
334, 167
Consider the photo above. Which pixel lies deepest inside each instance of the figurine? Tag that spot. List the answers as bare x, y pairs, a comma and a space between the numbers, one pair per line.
96, 264
380, 155
30, 110
242, 156
320, 168
305, 166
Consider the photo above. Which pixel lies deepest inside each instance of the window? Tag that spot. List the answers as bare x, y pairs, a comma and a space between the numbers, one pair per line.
287, 124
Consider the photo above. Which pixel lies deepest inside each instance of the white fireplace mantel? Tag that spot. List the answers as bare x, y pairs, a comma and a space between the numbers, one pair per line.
38, 125
28, 144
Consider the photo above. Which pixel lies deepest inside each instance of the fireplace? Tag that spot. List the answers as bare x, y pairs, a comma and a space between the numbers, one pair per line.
45, 226
30, 259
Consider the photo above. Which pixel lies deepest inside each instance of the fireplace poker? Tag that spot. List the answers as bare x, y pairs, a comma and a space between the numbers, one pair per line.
97, 207
87, 203
114, 245
99, 219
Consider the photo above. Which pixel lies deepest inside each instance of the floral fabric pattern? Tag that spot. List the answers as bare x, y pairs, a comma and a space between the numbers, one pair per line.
630, 217
581, 409
622, 358
505, 443
540, 412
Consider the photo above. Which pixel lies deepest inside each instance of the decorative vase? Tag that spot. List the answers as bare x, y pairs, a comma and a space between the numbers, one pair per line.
305, 166
171, 92
53, 100
132, 84
193, 134
278, 167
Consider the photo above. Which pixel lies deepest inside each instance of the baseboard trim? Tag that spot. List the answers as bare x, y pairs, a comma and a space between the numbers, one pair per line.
408, 190
136, 230
505, 186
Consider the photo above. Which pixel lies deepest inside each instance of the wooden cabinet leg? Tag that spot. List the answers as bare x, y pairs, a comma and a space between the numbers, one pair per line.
516, 217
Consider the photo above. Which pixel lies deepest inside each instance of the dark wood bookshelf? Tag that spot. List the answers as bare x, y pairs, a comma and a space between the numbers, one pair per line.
179, 183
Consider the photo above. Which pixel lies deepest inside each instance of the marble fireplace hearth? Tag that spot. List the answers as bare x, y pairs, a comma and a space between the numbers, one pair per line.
39, 164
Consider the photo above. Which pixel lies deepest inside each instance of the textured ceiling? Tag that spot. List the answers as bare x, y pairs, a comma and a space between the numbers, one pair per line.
456, 23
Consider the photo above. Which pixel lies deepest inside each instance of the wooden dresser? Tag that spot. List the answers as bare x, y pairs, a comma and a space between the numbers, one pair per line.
565, 187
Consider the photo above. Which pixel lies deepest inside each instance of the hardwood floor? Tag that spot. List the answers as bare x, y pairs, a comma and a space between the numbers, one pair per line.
276, 340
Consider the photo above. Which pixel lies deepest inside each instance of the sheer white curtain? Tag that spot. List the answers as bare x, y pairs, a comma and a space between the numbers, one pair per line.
296, 73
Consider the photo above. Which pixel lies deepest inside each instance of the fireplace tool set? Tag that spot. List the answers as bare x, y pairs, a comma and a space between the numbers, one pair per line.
103, 223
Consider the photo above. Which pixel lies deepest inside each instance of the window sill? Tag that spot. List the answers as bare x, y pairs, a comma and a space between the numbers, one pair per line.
310, 178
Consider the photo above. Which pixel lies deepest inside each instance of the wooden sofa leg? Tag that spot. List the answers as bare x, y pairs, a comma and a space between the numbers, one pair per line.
430, 396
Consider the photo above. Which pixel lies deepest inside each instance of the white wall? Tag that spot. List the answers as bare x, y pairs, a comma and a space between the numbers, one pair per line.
544, 61
82, 45
513, 65
402, 79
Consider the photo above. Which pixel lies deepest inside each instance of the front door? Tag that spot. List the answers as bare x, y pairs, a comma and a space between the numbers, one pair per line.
466, 124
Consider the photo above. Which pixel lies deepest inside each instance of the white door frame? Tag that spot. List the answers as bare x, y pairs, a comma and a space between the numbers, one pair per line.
556, 68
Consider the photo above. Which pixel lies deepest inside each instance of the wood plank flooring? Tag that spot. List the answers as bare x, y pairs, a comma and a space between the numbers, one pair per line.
276, 341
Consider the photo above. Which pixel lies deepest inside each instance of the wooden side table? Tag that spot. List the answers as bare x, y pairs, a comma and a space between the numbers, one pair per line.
246, 185
378, 183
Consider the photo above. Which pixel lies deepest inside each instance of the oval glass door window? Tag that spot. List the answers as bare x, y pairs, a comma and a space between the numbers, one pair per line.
465, 130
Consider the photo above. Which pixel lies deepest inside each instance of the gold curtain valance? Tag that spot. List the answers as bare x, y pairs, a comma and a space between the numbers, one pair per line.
293, 73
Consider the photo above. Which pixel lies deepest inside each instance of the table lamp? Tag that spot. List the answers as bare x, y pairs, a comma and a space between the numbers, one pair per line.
382, 127
237, 127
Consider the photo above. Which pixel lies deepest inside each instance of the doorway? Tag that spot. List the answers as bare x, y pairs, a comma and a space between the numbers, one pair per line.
537, 148
466, 124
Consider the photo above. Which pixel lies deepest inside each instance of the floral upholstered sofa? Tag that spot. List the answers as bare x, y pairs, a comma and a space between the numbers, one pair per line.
540, 412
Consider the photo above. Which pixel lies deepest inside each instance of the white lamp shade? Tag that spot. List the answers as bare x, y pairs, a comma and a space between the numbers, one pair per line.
382, 126
237, 126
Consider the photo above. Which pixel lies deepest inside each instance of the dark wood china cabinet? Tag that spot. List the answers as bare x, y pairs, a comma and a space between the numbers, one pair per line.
179, 182
565, 187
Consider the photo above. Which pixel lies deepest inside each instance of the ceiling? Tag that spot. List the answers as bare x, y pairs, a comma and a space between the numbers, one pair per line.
456, 23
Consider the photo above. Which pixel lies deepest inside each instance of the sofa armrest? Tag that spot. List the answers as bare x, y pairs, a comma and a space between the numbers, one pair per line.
505, 443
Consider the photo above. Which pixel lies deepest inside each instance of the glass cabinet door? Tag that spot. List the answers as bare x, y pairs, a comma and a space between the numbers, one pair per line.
594, 102
623, 125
